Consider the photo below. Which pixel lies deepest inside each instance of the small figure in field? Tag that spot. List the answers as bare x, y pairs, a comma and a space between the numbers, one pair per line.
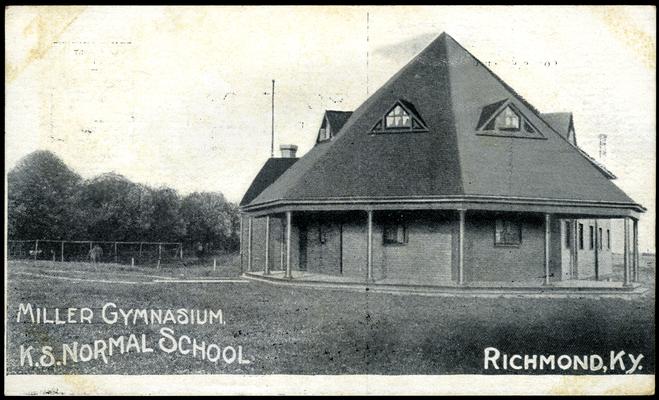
95, 254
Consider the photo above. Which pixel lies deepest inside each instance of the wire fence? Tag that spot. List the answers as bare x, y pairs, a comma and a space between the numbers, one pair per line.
134, 253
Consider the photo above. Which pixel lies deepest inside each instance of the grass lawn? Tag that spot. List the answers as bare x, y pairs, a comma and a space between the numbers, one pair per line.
295, 330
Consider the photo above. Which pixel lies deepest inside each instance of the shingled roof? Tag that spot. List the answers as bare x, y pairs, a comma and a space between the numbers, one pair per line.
449, 88
560, 122
271, 170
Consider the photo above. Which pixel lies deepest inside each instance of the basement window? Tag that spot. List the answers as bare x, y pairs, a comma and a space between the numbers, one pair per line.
507, 233
394, 234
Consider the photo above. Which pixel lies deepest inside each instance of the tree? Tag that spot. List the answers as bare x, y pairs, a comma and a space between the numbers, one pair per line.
166, 223
41, 191
115, 208
209, 219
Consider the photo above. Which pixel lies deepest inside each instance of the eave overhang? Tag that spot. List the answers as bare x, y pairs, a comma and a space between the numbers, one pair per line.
565, 207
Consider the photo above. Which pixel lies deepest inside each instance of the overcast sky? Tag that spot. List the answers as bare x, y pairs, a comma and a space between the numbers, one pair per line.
181, 96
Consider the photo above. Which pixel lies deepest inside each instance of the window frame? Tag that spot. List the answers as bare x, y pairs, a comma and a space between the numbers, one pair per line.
398, 227
506, 128
600, 239
568, 234
581, 238
591, 237
513, 221
381, 127
608, 239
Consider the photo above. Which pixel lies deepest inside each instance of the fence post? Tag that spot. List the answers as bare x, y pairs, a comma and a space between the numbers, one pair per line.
181, 244
159, 252
214, 264
62, 251
36, 248
116, 257
132, 261
158, 263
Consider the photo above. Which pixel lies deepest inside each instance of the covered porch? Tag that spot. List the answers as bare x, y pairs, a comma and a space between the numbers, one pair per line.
434, 246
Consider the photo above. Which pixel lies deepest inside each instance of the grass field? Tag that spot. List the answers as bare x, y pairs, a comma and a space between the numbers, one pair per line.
286, 330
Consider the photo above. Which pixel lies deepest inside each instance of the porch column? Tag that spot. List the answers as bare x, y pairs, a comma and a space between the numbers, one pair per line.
266, 267
626, 254
369, 247
461, 247
289, 271
574, 274
547, 244
240, 244
636, 254
249, 244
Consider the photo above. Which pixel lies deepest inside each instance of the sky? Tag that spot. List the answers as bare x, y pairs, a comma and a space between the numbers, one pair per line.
181, 96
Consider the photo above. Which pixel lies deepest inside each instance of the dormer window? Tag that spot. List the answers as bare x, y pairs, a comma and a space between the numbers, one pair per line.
402, 117
325, 132
507, 120
398, 118
504, 119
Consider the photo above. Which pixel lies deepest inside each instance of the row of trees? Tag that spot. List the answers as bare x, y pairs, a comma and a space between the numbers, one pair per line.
47, 200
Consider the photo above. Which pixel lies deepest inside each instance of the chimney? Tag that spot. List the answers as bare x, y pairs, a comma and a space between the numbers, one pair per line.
288, 150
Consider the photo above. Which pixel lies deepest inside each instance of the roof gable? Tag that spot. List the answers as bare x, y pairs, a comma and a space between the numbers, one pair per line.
331, 124
271, 170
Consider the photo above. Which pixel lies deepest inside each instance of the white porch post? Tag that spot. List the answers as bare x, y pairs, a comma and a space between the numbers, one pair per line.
461, 247
240, 244
249, 244
547, 244
369, 247
289, 271
626, 253
266, 267
636, 276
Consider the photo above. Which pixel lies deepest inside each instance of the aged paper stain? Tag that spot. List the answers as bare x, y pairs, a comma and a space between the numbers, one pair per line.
45, 27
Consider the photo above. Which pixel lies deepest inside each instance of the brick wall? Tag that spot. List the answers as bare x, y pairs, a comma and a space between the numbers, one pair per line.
486, 262
428, 254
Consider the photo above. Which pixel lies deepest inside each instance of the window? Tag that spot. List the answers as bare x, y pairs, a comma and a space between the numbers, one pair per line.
580, 236
402, 117
600, 238
591, 242
567, 234
507, 233
398, 118
608, 239
325, 132
322, 234
394, 234
507, 120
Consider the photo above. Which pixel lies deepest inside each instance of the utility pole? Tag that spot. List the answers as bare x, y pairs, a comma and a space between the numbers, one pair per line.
272, 139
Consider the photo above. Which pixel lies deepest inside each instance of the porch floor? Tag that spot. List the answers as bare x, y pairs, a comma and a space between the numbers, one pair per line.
566, 286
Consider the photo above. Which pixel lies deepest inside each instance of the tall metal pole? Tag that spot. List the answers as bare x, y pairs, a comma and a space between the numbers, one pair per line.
272, 139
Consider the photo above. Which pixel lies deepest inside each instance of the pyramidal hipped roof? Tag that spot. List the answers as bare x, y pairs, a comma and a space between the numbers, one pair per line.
448, 88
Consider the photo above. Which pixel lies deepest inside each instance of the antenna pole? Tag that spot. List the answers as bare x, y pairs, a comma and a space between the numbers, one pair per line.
272, 139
